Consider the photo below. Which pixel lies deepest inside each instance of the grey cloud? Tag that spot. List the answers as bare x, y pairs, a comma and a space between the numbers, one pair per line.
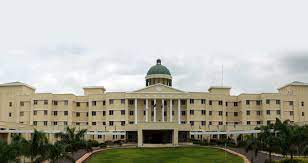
295, 63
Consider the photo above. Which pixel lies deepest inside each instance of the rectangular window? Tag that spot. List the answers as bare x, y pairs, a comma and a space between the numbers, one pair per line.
55, 123
258, 102
110, 123
258, 112
203, 112
93, 113
183, 113
219, 102
78, 104
55, 102
291, 103
122, 123
183, 102
110, 101
45, 123
77, 114
144, 112
210, 122
104, 123
35, 123
10, 114
235, 114
65, 113
22, 103
248, 122
104, 102
302, 103
191, 101
45, 102
55, 113
65, 123
34, 112
303, 113
247, 102
210, 112
87, 114
110, 112
278, 102
210, 102
202, 101
203, 123
220, 123
220, 113
45, 112
104, 113
122, 101
226, 114
258, 122
131, 122
226, 103
131, 102
248, 112
268, 101
93, 103
77, 123
268, 112
291, 112
99, 136
191, 112
235, 103
21, 113
192, 123
35, 102
93, 123
131, 112
65, 102
122, 112
278, 112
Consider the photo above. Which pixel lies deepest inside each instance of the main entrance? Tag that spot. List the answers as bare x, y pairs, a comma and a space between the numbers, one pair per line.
157, 136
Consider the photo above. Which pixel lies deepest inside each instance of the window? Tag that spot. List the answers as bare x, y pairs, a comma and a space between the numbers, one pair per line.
55, 123
220, 113
35, 123
165, 113
202, 123
303, 113
55, 113
104, 102
191, 101
268, 112
202, 101
77, 123
55, 102
131, 122
45, 112
104, 123
210, 122
192, 123
210, 112
104, 113
183, 102
258, 122
22, 103
65, 112
278, 102
131, 112
268, 122
258, 102
210, 102
65, 123
302, 103
87, 103
248, 112
110, 112
111, 101
21, 113
278, 112
10, 114
248, 122
291, 103
110, 123
99, 136
235, 103
144, 112
122, 123
219, 102
122, 101
183, 113
247, 102
122, 137
131, 102
122, 112
291, 112
268, 101
45, 123
191, 112
226, 103
93, 103
220, 123
34, 112
77, 114
93, 123
65, 102
235, 114
87, 114
78, 104
45, 102
226, 114
203, 112
183, 122
35, 102
258, 112
93, 113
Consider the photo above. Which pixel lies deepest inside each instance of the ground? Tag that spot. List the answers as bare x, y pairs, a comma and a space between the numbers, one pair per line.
165, 155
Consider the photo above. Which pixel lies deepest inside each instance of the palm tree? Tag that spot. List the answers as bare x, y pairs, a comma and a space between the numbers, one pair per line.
19, 145
268, 139
57, 151
8, 153
37, 146
253, 145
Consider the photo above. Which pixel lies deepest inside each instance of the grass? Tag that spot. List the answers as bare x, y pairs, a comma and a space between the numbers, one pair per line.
165, 155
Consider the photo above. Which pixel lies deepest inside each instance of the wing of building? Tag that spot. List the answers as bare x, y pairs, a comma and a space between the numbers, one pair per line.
156, 114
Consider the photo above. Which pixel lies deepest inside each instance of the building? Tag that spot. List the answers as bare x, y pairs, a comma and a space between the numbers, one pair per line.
155, 114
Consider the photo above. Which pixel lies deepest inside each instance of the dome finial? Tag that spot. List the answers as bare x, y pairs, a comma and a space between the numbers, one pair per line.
158, 62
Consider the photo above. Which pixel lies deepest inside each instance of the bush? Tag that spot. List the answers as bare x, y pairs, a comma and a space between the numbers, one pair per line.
102, 145
118, 142
93, 143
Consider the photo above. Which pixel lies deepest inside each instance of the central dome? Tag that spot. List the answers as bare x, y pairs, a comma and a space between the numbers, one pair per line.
158, 69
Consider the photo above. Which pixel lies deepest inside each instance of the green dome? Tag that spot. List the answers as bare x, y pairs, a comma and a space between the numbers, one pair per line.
158, 69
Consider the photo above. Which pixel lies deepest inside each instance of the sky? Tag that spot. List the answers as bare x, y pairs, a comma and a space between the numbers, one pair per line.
60, 46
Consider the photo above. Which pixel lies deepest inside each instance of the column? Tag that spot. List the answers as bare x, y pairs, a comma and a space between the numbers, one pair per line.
175, 137
136, 111
170, 111
140, 138
146, 110
154, 110
179, 111
163, 111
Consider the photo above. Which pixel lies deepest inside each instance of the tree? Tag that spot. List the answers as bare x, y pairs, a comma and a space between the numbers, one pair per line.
37, 147
8, 153
268, 139
57, 151
253, 145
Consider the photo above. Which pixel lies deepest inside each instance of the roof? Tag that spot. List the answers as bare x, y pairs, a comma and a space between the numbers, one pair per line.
219, 87
158, 69
17, 83
295, 83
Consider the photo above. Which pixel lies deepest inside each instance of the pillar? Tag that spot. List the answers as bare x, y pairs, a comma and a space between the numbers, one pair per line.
163, 111
170, 111
175, 137
140, 138
179, 111
146, 110
136, 111
154, 110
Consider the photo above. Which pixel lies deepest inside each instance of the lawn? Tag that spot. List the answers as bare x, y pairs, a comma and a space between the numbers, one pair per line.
165, 155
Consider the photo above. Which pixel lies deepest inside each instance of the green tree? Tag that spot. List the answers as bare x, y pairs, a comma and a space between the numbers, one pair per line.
56, 151
268, 139
253, 145
37, 147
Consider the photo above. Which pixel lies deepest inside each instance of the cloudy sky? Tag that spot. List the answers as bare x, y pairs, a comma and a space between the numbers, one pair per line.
60, 45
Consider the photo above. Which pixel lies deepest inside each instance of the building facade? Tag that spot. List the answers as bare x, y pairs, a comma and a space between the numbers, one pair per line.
155, 114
